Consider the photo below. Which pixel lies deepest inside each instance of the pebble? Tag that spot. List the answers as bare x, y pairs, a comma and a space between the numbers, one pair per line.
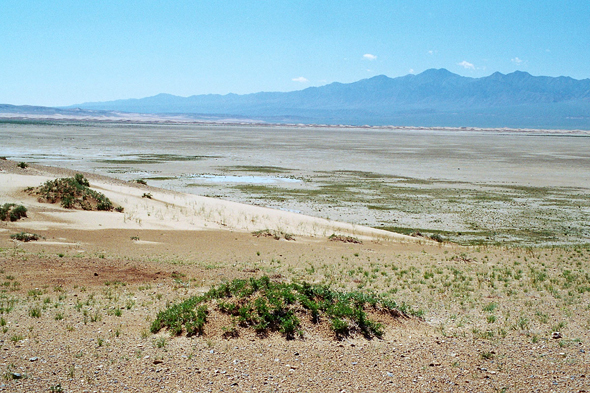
556, 335
33, 359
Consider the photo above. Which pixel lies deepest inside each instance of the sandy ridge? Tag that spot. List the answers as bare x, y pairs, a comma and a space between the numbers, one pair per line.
164, 209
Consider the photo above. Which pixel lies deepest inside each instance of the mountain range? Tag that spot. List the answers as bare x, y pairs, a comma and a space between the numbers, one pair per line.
435, 97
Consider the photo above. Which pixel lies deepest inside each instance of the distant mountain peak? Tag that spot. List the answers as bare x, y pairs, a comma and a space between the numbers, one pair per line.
441, 72
516, 99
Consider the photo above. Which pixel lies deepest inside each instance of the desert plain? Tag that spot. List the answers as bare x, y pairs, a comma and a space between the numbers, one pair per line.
481, 237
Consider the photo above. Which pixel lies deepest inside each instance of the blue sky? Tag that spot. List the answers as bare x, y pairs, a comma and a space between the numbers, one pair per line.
67, 52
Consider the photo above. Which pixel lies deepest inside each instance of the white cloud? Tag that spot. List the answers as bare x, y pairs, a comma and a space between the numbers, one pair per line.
300, 80
411, 71
369, 56
467, 65
516, 61
432, 52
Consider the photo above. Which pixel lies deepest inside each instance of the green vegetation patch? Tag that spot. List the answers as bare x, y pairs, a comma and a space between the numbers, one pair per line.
72, 192
25, 237
152, 158
12, 212
256, 169
264, 306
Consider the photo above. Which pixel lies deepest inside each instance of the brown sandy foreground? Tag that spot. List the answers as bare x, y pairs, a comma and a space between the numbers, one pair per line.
76, 306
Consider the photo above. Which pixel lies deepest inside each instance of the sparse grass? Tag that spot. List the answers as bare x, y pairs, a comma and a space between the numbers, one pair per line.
160, 342
35, 312
487, 355
16, 338
270, 306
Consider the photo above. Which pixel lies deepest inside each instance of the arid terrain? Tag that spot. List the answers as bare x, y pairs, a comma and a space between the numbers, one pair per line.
503, 307
520, 187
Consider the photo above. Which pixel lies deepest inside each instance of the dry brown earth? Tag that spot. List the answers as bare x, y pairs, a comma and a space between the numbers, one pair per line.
77, 306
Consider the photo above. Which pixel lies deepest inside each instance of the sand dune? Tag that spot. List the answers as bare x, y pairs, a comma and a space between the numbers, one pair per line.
165, 210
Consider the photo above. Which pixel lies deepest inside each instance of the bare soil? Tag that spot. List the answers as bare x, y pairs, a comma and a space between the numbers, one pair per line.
78, 279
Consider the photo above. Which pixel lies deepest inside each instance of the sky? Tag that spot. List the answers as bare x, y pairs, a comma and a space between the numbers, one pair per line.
65, 52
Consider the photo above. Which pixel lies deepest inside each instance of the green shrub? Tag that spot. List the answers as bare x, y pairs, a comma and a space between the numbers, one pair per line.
23, 165
264, 306
80, 179
25, 237
72, 192
12, 212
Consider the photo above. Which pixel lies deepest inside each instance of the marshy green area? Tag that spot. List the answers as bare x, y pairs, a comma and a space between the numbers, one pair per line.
466, 213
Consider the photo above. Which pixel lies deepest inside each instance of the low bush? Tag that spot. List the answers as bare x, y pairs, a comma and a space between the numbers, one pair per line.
25, 237
264, 305
72, 192
437, 238
12, 212
274, 234
345, 239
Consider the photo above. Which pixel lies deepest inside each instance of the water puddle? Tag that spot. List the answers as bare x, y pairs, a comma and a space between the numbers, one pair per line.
243, 179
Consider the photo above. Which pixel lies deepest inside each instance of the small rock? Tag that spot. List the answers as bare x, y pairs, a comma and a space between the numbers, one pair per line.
16, 375
556, 335
389, 374
95, 274
158, 361
33, 359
